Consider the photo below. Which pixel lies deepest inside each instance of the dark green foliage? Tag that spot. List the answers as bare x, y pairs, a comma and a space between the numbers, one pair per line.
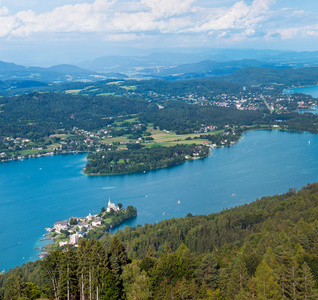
73, 221
69, 282
306, 284
41, 114
183, 118
208, 271
287, 77
266, 285
118, 162
109, 287
51, 266
117, 250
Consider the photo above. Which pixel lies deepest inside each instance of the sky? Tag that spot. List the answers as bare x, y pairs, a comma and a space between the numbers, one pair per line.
47, 32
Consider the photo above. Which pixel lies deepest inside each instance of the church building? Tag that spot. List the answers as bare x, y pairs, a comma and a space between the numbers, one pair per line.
112, 206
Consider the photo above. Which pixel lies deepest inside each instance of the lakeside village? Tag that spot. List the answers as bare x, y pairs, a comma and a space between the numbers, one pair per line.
70, 231
78, 140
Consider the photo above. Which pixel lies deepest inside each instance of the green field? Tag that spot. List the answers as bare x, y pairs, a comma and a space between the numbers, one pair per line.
73, 92
106, 94
116, 139
131, 88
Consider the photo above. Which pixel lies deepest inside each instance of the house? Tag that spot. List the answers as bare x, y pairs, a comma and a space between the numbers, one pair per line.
81, 234
96, 222
61, 244
81, 225
74, 239
61, 225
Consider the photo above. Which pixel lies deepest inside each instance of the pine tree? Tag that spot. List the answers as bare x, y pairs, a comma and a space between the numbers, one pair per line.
238, 278
52, 269
83, 266
185, 262
223, 282
307, 283
208, 271
98, 263
117, 249
290, 277
140, 289
266, 286
68, 288
109, 287
185, 290
14, 288
251, 292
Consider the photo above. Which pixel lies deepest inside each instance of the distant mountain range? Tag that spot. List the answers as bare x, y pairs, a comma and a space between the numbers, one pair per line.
59, 73
223, 60
242, 66
208, 68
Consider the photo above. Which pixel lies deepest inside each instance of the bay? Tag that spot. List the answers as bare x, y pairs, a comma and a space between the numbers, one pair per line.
36, 193
308, 90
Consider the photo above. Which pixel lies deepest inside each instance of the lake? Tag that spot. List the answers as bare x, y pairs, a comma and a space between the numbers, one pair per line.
36, 193
308, 90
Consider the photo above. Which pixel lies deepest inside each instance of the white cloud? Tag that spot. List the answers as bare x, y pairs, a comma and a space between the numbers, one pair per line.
239, 16
137, 19
68, 18
167, 8
123, 37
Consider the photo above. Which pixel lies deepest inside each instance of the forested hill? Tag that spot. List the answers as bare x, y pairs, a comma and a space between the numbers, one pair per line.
43, 113
184, 118
276, 221
264, 250
285, 77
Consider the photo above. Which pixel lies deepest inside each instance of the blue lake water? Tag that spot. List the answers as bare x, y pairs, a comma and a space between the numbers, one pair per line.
309, 90
36, 193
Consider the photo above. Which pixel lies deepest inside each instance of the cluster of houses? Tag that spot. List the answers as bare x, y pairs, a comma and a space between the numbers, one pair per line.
78, 227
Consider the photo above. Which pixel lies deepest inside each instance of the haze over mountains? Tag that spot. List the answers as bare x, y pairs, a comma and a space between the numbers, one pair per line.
196, 63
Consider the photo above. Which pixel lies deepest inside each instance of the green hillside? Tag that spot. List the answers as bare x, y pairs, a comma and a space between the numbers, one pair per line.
264, 250
286, 77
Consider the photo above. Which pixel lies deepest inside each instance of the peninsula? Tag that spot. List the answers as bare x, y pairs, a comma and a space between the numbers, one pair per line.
93, 226
142, 159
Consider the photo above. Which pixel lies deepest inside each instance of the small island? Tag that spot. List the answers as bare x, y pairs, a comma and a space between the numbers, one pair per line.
93, 226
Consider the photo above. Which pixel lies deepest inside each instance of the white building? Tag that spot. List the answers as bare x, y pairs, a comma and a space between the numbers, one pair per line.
61, 244
112, 206
61, 225
97, 222
81, 225
89, 217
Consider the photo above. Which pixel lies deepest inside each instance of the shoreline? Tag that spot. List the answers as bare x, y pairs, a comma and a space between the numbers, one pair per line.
300, 87
142, 172
74, 152
38, 155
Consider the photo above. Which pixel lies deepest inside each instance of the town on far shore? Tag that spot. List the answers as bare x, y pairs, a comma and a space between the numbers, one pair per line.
70, 231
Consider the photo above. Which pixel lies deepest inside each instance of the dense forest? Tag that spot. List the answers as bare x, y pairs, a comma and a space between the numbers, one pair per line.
141, 159
285, 77
183, 118
267, 249
43, 113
